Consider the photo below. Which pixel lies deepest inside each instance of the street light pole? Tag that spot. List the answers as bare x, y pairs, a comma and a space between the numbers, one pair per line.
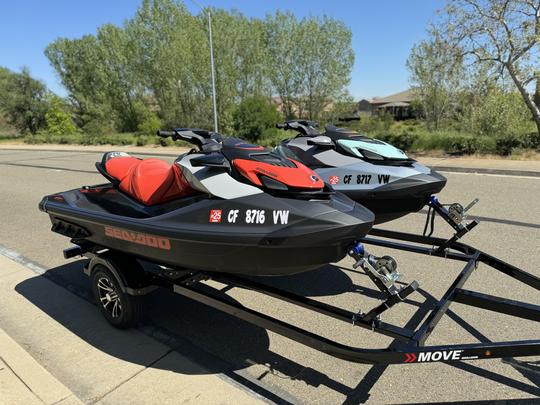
213, 71
212, 68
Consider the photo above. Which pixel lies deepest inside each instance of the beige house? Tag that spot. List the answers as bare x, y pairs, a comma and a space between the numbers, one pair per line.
398, 105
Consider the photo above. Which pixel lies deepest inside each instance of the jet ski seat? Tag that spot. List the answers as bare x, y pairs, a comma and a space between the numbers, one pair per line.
149, 181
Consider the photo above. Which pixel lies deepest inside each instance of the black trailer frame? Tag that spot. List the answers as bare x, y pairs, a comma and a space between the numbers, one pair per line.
409, 346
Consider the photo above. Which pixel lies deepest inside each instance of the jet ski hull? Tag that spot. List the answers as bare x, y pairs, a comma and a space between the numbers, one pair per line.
389, 192
255, 235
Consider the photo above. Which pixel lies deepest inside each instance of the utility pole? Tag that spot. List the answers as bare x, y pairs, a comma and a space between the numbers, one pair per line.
212, 68
213, 71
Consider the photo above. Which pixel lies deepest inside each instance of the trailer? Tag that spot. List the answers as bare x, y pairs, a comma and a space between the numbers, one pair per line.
119, 281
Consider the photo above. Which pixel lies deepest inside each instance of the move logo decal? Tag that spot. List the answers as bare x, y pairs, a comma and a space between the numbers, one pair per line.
439, 355
333, 180
138, 238
215, 216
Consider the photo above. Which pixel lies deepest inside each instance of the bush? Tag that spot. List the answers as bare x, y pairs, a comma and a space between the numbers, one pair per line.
253, 117
507, 144
403, 141
149, 122
58, 119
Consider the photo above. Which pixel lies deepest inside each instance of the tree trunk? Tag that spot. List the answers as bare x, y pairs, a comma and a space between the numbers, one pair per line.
537, 91
533, 107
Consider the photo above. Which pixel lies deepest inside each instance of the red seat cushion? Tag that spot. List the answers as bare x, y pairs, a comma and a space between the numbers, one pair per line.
150, 181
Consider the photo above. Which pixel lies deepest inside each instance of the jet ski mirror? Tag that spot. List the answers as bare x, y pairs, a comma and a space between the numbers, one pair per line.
321, 141
210, 160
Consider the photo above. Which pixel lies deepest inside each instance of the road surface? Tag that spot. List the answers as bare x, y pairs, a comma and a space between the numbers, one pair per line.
282, 370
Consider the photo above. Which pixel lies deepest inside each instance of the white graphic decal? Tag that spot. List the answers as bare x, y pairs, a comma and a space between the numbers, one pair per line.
255, 217
281, 216
233, 215
440, 355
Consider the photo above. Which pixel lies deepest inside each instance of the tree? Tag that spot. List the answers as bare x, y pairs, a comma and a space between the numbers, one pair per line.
537, 92
79, 64
325, 62
255, 116
58, 118
310, 62
24, 100
155, 68
436, 72
504, 33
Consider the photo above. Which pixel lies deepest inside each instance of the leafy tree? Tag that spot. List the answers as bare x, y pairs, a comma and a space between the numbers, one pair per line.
282, 37
158, 62
325, 63
24, 100
58, 118
254, 116
436, 72
79, 64
503, 33
310, 62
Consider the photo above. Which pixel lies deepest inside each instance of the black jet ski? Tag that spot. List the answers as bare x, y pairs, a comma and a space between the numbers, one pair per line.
227, 207
374, 173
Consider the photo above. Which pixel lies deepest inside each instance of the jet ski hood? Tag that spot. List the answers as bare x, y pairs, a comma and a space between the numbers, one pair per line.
371, 149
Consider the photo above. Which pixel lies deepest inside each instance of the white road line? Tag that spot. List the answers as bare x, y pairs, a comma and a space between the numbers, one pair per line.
512, 176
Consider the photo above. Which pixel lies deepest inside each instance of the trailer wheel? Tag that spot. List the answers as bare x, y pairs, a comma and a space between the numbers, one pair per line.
120, 309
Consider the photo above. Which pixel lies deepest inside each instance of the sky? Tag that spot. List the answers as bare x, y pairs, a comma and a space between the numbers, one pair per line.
383, 32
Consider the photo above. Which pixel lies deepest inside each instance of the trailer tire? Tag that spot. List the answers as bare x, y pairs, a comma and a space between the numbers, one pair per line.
121, 310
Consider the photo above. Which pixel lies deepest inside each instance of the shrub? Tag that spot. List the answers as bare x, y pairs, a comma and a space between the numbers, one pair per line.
58, 119
166, 142
403, 141
253, 117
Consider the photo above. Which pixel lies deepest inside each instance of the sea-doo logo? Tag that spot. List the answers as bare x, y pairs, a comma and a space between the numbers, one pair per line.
139, 238
333, 180
267, 172
215, 216
440, 355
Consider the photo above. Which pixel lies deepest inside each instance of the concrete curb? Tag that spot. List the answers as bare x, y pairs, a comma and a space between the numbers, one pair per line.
479, 170
35, 379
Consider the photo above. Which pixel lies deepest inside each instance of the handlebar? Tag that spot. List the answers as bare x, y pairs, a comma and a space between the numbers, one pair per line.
203, 139
304, 127
166, 134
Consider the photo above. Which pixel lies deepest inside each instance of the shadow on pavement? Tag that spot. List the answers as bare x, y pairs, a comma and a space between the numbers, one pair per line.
221, 343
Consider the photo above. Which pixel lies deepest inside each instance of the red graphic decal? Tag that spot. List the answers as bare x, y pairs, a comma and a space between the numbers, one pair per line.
334, 180
411, 358
215, 216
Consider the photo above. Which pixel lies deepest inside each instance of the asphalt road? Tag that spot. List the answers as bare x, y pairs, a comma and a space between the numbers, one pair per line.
285, 371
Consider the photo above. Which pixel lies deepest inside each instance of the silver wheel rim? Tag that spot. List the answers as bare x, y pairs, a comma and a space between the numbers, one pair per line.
108, 297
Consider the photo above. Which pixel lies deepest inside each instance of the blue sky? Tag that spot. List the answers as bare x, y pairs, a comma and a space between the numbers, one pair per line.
383, 32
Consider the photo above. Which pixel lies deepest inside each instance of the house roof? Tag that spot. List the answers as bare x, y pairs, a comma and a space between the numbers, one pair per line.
402, 97
395, 104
